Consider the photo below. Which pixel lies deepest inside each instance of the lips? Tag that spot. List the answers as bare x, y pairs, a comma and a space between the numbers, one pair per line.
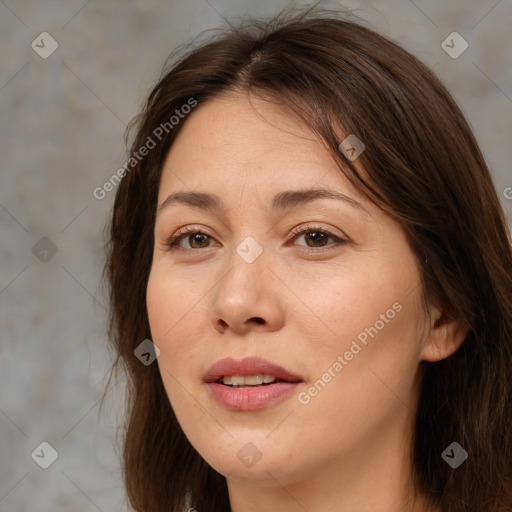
252, 397
248, 366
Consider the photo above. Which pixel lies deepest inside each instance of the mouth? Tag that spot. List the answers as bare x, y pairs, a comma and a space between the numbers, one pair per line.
248, 381
251, 371
249, 384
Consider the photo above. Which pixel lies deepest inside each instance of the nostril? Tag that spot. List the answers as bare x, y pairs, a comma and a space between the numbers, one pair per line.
259, 320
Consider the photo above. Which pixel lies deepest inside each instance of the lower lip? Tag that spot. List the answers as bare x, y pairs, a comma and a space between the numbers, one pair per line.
250, 399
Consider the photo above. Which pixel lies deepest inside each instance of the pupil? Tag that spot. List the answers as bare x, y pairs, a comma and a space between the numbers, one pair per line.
196, 237
316, 234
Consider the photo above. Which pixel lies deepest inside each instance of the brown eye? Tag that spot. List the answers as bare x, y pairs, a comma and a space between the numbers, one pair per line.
314, 237
317, 237
196, 239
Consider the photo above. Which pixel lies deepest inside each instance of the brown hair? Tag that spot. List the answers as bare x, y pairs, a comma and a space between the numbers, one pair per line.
422, 165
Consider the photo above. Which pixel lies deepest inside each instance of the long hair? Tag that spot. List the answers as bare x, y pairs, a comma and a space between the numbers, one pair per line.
422, 165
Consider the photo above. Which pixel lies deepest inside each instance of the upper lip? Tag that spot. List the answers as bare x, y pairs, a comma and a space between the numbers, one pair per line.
248, 366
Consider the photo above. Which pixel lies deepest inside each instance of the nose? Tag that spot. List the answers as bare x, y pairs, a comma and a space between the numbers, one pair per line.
247, 297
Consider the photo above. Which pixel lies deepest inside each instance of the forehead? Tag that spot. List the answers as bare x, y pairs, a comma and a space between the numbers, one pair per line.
243, 141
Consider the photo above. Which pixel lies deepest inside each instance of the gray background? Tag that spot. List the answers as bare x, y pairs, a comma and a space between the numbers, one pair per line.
62, 122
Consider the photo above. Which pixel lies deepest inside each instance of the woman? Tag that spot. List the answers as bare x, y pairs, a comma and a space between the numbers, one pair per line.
308, 233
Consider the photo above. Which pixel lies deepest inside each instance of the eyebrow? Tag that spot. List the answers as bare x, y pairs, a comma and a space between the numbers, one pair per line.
285, 200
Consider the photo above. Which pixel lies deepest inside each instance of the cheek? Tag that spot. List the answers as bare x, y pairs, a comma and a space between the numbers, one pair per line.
373, 385
375, 324
342, 308
164, 312
166, 305
160, 306
176, 311
170, 302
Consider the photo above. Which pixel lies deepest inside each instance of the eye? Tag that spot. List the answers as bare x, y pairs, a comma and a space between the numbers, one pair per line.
195, 236
199, 240
317, 236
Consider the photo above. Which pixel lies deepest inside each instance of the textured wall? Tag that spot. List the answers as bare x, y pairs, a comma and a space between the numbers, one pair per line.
62, 121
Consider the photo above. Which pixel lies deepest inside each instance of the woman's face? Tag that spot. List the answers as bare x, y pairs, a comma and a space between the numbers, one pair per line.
340, 311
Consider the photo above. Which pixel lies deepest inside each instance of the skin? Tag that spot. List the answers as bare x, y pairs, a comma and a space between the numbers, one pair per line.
347, 448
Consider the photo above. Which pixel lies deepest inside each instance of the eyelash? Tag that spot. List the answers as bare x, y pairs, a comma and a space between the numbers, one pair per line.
174, 240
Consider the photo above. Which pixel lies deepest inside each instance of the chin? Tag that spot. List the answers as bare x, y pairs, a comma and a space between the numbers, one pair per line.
249, 459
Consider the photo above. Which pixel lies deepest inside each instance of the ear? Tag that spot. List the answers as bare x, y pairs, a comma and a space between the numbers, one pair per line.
447, 333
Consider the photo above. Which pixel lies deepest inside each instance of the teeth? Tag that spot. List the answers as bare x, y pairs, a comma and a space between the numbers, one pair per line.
247, 380
238, 380
253, 380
